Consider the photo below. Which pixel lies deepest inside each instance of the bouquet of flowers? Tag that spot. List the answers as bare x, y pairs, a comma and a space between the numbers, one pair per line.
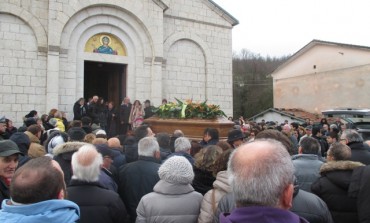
189, 109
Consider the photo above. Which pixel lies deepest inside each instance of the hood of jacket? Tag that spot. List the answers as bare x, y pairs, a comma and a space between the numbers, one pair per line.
32, 137
339, 165
222, 182
62, 211
339, 172
67, 147
164, 187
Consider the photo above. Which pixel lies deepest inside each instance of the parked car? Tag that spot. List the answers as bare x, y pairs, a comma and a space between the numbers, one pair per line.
358, 119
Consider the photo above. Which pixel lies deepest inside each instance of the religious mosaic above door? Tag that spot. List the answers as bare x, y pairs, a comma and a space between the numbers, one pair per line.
105, 43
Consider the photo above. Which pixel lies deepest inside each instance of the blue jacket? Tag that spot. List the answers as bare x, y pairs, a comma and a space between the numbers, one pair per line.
261, 214
61, 211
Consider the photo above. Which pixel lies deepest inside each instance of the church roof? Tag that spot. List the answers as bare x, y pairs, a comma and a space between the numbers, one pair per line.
213, 5
161, 4
223, 13
313, 43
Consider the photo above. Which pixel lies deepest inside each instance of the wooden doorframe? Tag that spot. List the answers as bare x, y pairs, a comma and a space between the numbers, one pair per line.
116, 80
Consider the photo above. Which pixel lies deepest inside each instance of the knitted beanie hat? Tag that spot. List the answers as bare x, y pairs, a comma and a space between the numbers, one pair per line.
176, 170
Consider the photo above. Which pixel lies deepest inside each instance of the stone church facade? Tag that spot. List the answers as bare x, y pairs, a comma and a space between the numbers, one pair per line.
52, 52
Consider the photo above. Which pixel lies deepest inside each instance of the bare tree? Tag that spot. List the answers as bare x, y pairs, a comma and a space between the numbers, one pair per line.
252, 84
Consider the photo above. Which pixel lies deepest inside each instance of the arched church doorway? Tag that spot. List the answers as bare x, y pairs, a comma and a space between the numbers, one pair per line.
107, 80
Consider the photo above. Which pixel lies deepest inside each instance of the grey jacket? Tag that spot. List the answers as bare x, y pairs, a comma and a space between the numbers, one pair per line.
307, 170
170, 203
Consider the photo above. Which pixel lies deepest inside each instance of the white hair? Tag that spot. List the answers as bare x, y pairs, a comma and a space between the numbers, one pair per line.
352, 136
261, 181
182, 144
148, 146
86, 163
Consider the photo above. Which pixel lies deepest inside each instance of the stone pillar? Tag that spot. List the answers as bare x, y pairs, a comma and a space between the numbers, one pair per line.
56, 22
52, 81
156, 81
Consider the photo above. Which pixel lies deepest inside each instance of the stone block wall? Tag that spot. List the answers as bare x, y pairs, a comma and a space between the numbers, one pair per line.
22, 70
185, 75
210, 34
181, 51
342, 88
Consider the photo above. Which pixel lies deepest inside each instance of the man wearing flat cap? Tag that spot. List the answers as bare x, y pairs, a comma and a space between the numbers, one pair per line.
9, 153
235, 138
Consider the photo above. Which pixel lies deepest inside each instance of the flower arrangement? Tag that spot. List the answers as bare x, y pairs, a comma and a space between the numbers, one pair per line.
188, 109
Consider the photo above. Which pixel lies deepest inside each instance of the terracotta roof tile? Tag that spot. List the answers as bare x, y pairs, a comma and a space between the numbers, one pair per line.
299, 113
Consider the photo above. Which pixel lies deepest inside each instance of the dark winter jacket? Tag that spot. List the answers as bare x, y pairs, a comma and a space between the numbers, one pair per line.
11, 131
333, 187
203, 180
306, 170
261, 214
112, 120
360, 190
87, 129
131, 152
164, 153
323, 145
137, 179
93, 112
119, 159
96, 203
148, 112
4, 191
359, 152
79, 111
106, 179
102, 116
63, 155
125, 113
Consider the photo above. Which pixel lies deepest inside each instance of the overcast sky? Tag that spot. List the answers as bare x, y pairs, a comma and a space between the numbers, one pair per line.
282, 27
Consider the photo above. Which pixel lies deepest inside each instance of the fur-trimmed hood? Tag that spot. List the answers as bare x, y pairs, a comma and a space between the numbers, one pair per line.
339, 172
32, 137
339, 165
67, 147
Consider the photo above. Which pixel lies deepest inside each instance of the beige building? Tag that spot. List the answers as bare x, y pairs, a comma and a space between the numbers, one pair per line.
324, 75
56, 51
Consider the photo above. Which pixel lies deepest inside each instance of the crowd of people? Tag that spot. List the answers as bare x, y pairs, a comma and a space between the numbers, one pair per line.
112, 119
107, 166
